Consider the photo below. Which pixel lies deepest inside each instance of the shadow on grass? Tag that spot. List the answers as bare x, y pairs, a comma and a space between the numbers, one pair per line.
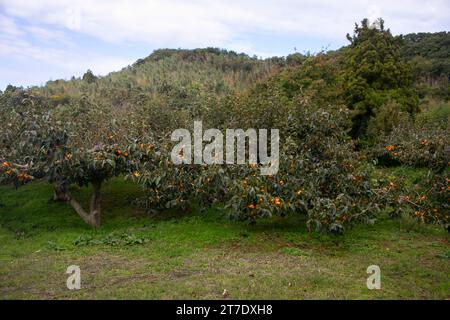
28, 211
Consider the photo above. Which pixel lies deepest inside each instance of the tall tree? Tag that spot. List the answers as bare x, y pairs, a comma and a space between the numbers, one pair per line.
89, 77
375, 74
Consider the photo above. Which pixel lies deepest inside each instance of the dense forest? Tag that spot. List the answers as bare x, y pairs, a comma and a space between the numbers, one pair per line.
382, 101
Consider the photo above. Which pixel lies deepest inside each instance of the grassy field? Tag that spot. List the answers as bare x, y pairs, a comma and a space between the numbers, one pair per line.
197, 255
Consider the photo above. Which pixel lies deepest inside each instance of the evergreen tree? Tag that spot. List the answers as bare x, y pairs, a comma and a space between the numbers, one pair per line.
89, 77
375, 74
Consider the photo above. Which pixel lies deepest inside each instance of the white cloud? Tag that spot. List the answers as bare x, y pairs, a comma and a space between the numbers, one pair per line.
8, 27
199, 23
14, 44
70, 61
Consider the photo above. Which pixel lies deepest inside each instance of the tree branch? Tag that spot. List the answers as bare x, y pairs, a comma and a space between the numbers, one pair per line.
92, 217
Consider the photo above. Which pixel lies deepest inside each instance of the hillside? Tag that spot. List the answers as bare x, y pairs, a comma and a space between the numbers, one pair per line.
184, 77
429, 55
433, 48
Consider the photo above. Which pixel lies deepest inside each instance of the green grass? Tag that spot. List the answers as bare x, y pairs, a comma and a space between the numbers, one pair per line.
196, 256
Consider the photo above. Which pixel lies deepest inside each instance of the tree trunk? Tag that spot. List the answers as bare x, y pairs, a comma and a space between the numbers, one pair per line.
60, 192
92, 217
95, 207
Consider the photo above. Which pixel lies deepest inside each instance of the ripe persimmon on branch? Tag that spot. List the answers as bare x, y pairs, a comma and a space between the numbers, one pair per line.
63, 166
13, 172
40, 147
95, 166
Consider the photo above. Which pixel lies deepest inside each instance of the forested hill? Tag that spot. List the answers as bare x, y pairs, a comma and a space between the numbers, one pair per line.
431, 50
186, 77
182, 76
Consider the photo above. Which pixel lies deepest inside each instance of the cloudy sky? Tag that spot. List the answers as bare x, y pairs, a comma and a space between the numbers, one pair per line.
53, 39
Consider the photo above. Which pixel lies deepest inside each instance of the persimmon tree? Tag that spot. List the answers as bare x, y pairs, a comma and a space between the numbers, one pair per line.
63, 166
320, 175
35, 145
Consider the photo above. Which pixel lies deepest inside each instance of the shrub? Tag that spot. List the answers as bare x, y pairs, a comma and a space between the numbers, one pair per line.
427, 202
414, 145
